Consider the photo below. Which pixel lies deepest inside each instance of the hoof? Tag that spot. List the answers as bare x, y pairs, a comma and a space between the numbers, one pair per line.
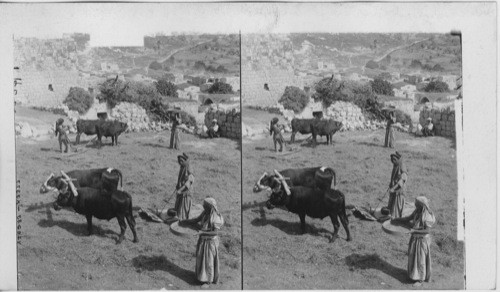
333, 238
349, 239
135, 240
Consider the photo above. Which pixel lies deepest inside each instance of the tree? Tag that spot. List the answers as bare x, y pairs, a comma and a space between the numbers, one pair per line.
112, 91
220, 88
155, 66
199, 65
166, 88
294, 99
382, 87
415, 64
437, 86
372, 65
79, 100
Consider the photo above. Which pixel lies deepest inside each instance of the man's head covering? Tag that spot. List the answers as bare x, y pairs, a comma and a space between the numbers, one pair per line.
182, 158
60, 121
214, 121
213, 219
184, 163
274, 120
399, 167
429, 119
424, 218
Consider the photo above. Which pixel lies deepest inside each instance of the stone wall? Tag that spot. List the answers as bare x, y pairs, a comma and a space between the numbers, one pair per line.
132, 114
34, 87
443, 120
253, 92
229, 121
189, 107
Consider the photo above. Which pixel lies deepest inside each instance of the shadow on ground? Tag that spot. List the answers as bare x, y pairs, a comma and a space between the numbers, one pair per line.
160, 262
291, 228
79, 229
373, 261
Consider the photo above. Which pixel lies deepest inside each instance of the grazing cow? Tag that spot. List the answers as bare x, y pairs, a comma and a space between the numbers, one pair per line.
110, 129
313, 202
97, 178
302, 126
320, 177
92, 203
325, 128
88, 127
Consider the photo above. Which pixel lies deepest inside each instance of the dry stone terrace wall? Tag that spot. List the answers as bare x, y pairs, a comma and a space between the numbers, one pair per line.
229, 121
443, 120
253, 92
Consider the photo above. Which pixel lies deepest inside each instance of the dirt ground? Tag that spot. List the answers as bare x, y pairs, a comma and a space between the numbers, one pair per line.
277, 256
55, 252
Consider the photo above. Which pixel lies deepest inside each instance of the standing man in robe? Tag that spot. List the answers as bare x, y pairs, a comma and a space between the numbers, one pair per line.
275, 130
389, 131
174, 134
63, 137
397, 186
185, 182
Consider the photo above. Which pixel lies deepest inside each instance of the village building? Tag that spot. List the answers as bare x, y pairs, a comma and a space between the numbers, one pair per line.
404, 90
451, 80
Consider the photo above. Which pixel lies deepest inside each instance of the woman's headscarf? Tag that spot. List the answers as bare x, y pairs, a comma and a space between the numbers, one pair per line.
399, 167
425, 217
212, 219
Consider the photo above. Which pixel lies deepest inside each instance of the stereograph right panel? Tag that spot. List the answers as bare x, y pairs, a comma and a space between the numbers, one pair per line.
357, 130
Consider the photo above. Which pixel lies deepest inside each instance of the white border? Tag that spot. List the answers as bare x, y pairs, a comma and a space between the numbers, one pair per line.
476, 21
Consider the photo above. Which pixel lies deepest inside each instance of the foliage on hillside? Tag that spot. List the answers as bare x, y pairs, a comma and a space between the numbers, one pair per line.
437, 86
380, 86
79, 100
220, 88
329, 90
166, 88
143, 94
294, 99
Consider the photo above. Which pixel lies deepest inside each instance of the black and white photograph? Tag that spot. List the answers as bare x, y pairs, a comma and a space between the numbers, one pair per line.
147, 134
357, 130
248, 145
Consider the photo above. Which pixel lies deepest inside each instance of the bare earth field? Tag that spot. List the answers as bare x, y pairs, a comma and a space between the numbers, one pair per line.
277, 256
55, 252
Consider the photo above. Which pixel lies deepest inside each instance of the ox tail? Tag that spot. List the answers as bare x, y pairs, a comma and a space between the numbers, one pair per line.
343, 209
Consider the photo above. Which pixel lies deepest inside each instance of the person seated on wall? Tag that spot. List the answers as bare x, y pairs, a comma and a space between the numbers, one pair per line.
213, 130
428, 129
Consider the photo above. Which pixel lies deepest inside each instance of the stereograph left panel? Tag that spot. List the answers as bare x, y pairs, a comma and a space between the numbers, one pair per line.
147, 134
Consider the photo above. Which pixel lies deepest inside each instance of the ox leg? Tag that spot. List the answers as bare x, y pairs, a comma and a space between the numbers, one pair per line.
123, 227
113, 140
131, 223
345, 223
302, 223
336, 227
292, 138
116, 140
89, 223
78, 138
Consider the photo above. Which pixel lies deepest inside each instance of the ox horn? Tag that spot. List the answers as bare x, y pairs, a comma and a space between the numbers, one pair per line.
47, 188
71, 185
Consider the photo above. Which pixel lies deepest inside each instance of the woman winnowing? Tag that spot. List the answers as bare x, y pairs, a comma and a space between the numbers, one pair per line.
183, 189
397, 186
275, 130
389, 131
207, 248
419, 247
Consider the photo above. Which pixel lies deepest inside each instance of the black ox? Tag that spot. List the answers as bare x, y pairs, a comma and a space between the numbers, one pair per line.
88, 127
302, 126
315, 203
93, 203
97, 178
313, 177
110, 129
325, 128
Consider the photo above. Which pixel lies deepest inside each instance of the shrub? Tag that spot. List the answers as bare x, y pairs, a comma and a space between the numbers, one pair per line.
79, 100
382, 87
155, 66
220, 88
437, 86
294, 99
187, 119
112, 91
402, 118
166, 88
372, 65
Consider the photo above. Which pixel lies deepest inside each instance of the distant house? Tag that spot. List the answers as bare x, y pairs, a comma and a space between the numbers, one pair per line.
404, 90
414, 79
178, 78
451, 80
